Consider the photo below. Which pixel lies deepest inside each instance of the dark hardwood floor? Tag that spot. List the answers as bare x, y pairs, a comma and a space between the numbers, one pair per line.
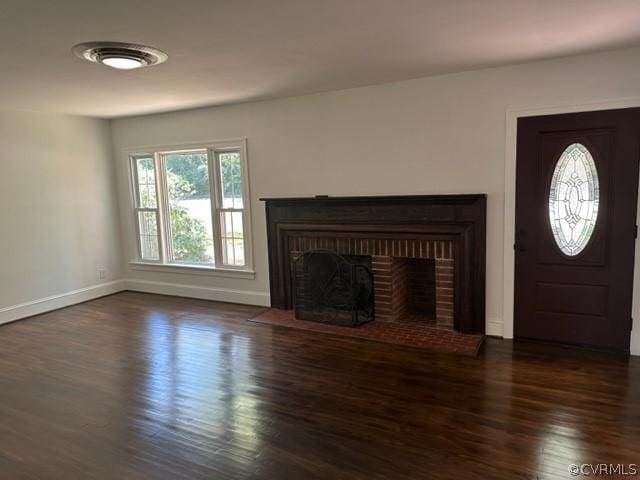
137, 386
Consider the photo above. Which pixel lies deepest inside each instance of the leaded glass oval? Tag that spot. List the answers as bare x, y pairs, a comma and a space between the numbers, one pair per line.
573, 199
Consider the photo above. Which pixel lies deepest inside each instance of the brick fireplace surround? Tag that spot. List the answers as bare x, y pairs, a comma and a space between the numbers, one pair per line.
401, 273
427, 252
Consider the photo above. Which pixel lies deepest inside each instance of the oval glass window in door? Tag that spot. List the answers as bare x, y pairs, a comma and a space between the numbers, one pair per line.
573, 199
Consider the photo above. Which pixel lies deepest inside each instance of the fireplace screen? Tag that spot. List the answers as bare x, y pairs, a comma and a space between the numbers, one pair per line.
333, 288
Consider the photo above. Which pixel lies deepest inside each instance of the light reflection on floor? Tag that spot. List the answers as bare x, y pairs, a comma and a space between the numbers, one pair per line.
560, 445
191, 364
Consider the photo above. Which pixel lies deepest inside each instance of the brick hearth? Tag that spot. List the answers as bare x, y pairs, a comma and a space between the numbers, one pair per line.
410, 276
412, 332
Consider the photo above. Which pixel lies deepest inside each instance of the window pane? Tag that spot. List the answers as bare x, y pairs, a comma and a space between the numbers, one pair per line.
146, 188
232, 238
574, 196
232, 226
231, 179
148, 227
190, 207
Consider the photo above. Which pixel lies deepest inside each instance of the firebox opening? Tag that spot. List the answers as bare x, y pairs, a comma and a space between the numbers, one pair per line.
413, 288
333, 288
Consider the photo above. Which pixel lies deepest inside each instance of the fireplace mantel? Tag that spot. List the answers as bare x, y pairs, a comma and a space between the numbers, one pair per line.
457, 219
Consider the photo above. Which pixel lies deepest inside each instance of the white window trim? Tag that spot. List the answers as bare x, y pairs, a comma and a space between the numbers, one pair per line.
186, 269
165, 264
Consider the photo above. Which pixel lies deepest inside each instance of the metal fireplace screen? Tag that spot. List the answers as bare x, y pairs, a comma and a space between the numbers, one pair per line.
333, 288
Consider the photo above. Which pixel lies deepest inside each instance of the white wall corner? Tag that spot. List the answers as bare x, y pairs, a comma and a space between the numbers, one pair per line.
246, 297
635, 344
494, 327
54, 302
509, 212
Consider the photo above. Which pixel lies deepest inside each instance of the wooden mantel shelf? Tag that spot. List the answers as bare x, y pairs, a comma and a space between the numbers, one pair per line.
444, 198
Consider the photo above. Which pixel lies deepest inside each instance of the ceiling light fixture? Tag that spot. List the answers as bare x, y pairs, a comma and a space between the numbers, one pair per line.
123, 56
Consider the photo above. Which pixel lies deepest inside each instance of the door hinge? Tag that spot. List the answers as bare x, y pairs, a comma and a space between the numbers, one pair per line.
636, 232
631, 324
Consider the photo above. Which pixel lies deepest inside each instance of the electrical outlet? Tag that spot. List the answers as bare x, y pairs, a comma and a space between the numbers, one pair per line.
102, 274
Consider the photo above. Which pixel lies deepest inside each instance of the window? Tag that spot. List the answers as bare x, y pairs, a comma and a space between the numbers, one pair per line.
573, 199
191, 206
231, 213
190, 223
146, 207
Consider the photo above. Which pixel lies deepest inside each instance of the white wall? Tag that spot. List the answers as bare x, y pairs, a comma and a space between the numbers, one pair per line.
434, 135
59, 215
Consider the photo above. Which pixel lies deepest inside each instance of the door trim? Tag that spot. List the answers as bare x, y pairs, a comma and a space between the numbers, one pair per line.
508, 290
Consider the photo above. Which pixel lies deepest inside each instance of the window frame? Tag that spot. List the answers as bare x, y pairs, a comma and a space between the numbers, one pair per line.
166, 212
137, 208
212, 148
219, 207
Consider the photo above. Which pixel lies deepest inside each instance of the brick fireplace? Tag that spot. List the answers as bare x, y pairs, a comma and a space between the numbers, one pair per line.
412, 277
427, 252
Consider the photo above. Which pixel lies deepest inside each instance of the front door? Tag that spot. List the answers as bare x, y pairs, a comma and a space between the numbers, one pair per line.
576, 196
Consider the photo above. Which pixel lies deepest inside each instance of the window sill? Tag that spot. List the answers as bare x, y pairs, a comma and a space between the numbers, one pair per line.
193, 270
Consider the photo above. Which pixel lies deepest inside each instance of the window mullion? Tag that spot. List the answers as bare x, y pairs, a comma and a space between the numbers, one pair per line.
136, 221
136, 204
136, 181
216, 204
246, 207
162, 196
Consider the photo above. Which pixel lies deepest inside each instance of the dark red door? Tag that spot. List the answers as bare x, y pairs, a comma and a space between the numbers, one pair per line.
576, 194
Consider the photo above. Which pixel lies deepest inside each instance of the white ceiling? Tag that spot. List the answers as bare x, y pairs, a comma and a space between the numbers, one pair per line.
225, 51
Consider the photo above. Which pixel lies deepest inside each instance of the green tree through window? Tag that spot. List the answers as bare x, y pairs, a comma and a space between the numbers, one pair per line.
189, 235
188, 179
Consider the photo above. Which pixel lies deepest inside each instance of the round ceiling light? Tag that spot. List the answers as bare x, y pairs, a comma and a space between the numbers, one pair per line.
123, 56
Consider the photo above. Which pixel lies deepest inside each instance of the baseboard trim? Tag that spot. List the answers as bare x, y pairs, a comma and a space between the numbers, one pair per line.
218, 294
54, 302
494, 327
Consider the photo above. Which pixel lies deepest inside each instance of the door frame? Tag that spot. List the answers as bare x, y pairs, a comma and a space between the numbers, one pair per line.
508, 289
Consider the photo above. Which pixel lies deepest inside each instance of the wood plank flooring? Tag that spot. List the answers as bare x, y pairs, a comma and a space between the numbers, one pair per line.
137, 386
